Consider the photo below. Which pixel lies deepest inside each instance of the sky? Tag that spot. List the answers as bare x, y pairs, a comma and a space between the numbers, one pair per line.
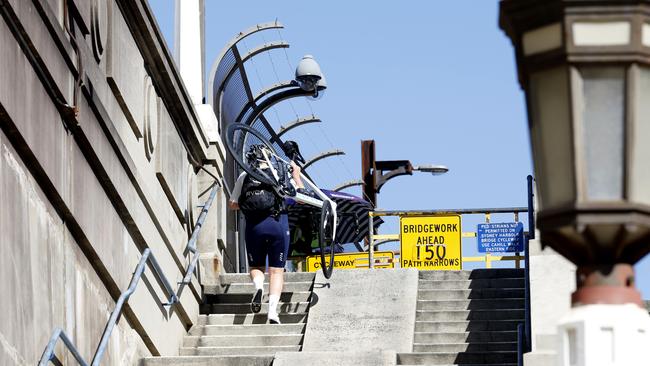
431, 82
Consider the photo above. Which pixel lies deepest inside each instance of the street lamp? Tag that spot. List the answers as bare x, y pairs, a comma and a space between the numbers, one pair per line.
376, 173
585, 69
433, 169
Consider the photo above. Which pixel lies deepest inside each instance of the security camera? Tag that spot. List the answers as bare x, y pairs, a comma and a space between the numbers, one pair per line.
308, 74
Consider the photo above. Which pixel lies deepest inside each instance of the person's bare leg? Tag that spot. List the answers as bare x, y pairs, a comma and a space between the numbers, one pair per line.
257, 275
275, 290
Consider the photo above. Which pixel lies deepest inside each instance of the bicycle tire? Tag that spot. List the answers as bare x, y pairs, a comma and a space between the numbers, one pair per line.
325, 237
238, 152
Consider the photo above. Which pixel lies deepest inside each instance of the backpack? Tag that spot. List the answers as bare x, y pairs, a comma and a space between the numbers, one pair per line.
258, 199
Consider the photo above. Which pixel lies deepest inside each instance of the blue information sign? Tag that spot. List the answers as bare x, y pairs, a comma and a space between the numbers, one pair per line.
503, 237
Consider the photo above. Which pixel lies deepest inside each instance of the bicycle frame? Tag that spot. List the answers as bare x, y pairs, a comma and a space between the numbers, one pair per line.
303, 198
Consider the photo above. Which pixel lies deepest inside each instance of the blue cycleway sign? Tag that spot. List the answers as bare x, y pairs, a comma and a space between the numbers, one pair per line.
503, 237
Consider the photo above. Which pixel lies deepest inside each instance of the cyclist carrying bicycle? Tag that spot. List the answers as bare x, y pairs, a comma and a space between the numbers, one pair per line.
267, 225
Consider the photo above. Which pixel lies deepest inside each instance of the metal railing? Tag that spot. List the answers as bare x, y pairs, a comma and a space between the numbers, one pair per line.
172, 298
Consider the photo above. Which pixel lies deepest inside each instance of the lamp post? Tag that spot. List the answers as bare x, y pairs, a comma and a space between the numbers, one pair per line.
585, 70
376, 173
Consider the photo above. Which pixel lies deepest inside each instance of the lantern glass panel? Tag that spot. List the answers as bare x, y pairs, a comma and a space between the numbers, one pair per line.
552, 136
602, 112
640, 136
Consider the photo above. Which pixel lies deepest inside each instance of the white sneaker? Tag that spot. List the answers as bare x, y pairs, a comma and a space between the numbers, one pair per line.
256, 302
274, 318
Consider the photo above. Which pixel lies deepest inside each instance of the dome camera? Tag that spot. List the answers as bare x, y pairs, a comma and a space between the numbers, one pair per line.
308, 73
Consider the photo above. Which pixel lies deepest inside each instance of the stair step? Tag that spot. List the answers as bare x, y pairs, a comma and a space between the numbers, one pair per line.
466, 326
245, 308
237, 360
456, 315
245, 278
472, 284
438, 358
464, 364
249, 288
243, 340
465, 337
248, 329
465, 347
244, 319
474, 304
492, 293
234, 298
482, 273
207, 351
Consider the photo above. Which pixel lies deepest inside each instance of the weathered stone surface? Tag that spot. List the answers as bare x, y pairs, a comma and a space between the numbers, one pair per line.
384, 304
72, 226
125, 71
170, 160
334, 358
552, 280
50, 281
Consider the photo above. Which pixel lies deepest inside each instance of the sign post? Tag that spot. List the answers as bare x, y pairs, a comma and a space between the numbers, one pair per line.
431, 242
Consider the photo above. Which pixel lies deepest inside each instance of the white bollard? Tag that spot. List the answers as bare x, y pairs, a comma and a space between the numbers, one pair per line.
605, 335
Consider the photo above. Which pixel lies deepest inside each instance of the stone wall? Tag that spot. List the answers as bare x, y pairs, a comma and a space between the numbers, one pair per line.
84, 191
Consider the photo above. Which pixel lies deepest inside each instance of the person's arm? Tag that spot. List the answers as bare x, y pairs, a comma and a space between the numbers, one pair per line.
236, 192
295, 175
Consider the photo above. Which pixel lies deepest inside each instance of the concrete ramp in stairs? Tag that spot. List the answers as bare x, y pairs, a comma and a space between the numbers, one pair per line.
362, 317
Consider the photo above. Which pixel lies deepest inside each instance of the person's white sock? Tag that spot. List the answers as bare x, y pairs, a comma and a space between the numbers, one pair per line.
259, 283
273, 307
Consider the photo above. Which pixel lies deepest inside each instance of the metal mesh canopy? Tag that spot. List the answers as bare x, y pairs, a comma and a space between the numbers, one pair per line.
229, 90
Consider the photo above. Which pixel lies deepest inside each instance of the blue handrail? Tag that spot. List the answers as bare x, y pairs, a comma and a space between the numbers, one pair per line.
172, 298
524, 336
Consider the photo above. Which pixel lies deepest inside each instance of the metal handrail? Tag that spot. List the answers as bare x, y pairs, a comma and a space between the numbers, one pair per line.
530, 235
48, 354
147, 257
524, 332
191, 244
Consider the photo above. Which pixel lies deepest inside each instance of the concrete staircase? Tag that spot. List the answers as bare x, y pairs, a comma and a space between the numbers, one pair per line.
467, 318
228, 334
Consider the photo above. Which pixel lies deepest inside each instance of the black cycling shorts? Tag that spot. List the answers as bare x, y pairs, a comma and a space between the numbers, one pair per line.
268, 236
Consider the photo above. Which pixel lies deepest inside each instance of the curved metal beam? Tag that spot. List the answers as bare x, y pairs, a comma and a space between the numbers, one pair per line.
264, 47
262, 94
321, 156
271, 101
242, 60
348, 184
243, 34
298, 122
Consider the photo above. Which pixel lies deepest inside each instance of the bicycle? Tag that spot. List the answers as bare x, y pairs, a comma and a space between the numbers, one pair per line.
254, 153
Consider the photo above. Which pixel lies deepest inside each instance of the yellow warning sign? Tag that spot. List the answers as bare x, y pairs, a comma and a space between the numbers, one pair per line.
353, 261
431, 242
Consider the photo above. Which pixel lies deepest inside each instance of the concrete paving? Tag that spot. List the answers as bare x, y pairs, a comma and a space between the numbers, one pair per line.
368, 358
362, 310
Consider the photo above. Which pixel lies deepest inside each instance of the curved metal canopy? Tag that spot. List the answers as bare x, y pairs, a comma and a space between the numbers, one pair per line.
348, 184
298, 122
322, 156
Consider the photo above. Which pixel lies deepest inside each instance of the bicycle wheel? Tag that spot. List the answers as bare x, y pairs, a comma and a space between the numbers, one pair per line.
239, 138
326, 238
